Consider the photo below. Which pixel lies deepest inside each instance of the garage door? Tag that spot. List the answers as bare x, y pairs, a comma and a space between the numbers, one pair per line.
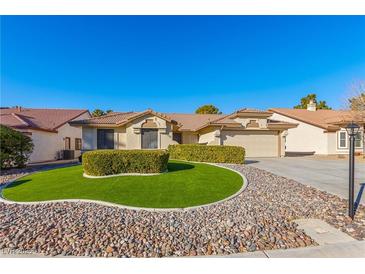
256, 143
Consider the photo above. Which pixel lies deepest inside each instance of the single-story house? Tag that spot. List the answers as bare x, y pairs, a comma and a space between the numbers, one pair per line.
260, 135
319, 131
49, 129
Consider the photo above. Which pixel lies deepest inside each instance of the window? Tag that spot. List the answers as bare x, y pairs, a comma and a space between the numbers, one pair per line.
358, 140
67, 143
342, 139
78, 144
176, 136
105, 139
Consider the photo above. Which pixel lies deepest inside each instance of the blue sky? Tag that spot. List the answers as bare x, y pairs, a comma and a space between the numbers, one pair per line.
176, 63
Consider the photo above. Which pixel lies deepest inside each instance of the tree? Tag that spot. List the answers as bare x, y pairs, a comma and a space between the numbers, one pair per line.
311, 97
357, 102
357, 105
208, 109
15, 148
98, 112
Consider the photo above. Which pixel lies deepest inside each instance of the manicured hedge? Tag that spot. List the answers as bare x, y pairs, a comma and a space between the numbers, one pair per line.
211, 154
108, 162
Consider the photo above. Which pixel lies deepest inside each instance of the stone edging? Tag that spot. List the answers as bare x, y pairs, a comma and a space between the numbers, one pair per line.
244, 186
121, 174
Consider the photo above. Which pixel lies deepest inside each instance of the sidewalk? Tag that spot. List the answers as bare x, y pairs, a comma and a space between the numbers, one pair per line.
354, 249
333, 243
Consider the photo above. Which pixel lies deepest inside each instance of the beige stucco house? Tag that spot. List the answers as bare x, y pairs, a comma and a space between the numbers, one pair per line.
49, 129
253, 129
319, 131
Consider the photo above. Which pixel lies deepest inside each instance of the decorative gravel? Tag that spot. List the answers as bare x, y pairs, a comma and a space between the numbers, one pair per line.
7, 175
10, 175
257, 219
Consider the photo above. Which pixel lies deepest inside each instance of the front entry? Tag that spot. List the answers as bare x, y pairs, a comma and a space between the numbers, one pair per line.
149, 138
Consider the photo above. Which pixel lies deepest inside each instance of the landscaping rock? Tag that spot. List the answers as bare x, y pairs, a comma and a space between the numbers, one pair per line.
259, 218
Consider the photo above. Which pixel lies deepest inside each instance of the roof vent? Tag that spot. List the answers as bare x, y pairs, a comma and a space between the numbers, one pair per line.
312, 106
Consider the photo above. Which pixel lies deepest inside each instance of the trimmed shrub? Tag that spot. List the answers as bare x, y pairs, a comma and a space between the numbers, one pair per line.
15, 148
211, 154
108, 162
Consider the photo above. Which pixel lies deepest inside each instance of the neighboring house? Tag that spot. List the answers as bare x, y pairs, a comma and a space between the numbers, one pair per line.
252, 129
319, 131
48, 128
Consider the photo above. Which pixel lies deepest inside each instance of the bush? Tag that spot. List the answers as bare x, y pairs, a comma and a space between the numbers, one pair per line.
15, 148
108, 162
211, 154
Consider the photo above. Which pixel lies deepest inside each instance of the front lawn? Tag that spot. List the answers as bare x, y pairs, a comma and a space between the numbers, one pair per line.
186, 184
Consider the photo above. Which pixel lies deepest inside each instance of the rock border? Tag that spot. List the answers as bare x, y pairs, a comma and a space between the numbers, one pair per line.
110, 204
122, 174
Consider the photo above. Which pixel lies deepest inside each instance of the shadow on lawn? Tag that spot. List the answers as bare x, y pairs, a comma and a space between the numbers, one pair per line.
173, 167
18, 183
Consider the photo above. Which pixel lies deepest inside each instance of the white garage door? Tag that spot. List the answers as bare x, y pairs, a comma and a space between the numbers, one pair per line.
256, 143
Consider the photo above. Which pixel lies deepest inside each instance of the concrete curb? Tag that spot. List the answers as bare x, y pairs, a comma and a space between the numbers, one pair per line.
244, 186
121, 174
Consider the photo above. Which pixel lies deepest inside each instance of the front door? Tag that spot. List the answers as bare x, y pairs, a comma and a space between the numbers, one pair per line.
149, 138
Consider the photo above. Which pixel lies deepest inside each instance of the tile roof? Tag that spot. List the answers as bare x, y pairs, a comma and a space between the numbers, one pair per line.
323, 118
252, 110
38, 119
119, 118
111, 118
185, 121
193, 121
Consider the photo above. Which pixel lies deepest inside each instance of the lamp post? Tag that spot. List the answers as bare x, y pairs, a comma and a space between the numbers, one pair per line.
352, 129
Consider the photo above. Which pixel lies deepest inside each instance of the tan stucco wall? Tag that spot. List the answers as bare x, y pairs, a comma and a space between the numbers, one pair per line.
211, 136
332, 143
120, 138
47, 145
256, 143
133, 132
129, 136
244, 121
305, 137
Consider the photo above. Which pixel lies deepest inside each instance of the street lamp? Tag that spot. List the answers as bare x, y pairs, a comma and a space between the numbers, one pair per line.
352, 130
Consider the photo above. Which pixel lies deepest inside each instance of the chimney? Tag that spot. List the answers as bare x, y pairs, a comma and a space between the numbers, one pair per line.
312, 106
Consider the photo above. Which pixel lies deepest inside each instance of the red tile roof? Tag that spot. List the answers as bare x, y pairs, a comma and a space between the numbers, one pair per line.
38, 119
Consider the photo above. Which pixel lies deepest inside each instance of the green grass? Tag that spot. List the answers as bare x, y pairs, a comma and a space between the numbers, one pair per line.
186, 184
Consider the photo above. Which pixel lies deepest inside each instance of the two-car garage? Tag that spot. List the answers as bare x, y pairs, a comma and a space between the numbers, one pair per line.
257, 143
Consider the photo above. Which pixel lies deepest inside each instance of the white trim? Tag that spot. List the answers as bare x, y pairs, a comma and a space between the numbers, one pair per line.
345, 149
339, 140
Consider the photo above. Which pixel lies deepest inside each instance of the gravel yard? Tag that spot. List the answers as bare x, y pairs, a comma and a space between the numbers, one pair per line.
257, 219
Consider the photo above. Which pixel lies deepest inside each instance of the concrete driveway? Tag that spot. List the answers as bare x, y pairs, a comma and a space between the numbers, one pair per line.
327, 175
